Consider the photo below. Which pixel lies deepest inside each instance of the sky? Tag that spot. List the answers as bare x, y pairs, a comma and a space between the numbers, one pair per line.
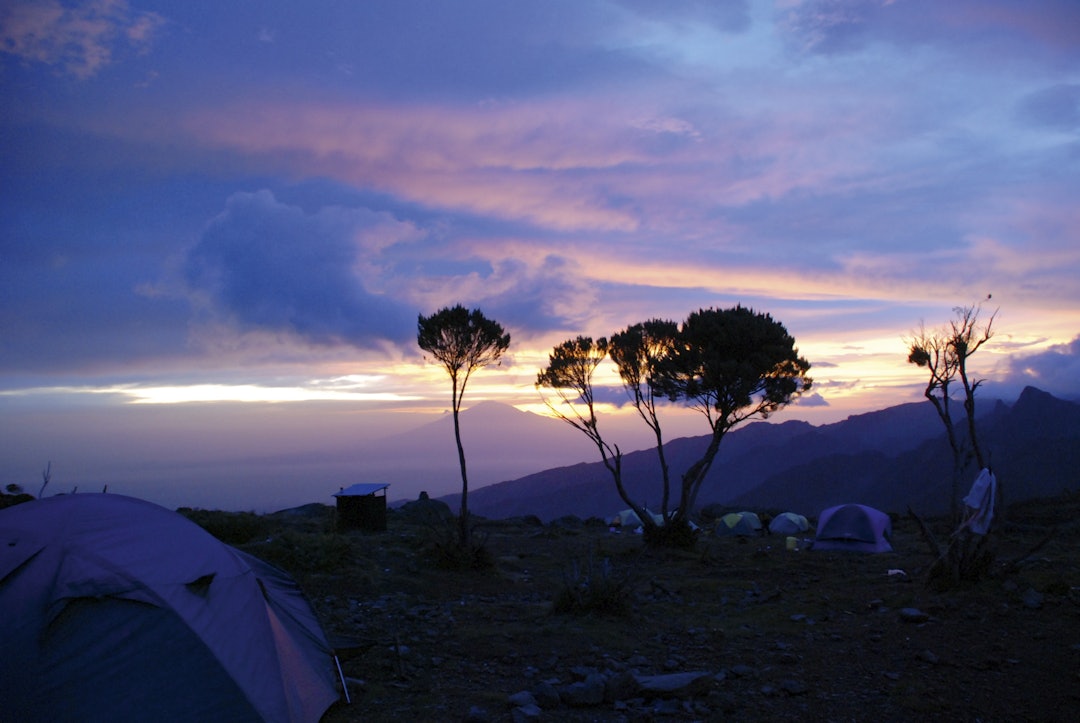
219, 222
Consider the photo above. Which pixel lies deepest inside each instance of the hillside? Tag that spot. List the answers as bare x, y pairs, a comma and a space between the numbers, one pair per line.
891, 459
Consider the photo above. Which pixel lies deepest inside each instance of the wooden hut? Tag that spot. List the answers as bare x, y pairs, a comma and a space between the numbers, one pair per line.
362, 507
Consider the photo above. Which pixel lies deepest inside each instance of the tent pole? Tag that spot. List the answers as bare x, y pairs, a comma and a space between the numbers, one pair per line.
341, 675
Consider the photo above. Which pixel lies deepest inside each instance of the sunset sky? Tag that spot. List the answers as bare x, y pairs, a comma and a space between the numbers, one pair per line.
208, 207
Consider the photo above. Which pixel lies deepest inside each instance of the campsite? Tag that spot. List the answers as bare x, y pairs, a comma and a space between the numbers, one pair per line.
751, 629
743, 627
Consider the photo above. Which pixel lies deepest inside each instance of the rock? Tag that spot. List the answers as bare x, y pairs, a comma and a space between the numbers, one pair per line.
526, 713
585, 693
620, 687
546, 695
476, 714
793, 687
675, 685
1032, 599
928, 656
522, 699
742, 671
913, 615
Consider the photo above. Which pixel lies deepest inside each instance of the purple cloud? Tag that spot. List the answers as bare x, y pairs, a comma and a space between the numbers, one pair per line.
263, 265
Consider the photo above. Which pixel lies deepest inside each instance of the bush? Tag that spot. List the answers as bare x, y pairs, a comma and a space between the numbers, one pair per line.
593, 588
679, 536
445, 549
232, 528
297, 552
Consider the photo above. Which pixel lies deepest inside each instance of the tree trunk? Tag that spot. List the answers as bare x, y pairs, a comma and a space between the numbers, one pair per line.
463, 514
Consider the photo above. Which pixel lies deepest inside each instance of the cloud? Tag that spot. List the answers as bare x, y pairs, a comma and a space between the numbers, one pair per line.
975, 28
265, 266
1055, 370
1056, 107
79, 40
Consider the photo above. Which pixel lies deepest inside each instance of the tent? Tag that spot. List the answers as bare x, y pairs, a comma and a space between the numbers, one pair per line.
117, 609
853, 527
741, 524
628, 519
788, 523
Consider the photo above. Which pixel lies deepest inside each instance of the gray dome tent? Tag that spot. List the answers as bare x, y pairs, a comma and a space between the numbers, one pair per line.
118, 609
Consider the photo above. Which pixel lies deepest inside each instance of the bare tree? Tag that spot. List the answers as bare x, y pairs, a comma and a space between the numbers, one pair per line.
462, 341
944, 353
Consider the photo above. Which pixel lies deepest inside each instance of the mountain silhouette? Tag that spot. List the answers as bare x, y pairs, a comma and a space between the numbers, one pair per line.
891, 459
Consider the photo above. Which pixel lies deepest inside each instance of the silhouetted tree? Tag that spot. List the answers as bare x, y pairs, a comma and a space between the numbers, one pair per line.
731, 365
462, 341
944, 354
569, 374
636, 351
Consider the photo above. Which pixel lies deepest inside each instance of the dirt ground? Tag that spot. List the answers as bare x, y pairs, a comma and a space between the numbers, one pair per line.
781, 634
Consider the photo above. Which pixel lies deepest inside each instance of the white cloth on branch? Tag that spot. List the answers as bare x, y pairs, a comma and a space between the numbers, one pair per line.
980, 502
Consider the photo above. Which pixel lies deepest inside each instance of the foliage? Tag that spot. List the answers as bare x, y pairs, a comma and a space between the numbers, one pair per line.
445, 549
732, 365
675, 534
636, 352
300, 552
232, 528
592, 587
462, 341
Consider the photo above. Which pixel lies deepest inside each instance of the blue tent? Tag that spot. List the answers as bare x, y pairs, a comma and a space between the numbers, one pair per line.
118, 609
853, 527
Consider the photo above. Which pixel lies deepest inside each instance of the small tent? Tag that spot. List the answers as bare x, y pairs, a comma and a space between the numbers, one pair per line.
117, 609
853, 527
628, 519
740, 524
788, 523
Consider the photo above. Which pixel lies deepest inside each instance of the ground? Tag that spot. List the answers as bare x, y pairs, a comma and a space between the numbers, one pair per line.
776, 634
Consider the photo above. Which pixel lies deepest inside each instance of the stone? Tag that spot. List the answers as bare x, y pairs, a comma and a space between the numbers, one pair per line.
526, 713
585, 693
913, 615
1032, 599
522, 699
620, 687
546, 695
675, 685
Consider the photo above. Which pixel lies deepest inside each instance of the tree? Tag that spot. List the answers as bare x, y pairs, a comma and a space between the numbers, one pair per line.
944, 354
731, 365
462, 341
569, 374
636, 351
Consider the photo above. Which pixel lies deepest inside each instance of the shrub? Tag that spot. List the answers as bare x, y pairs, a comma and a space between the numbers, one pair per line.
232, 528
593, 588
445, 549
298, 552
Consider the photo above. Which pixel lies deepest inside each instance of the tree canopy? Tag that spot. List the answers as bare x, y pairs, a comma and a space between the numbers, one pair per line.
731, 365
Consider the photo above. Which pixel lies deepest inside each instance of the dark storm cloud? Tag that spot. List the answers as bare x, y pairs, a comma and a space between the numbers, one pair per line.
267, 266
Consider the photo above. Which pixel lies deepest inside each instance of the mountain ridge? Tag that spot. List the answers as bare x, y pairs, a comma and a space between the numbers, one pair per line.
891, 458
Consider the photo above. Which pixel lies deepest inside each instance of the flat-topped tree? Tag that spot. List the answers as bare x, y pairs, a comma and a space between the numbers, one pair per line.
732, 365
462, 341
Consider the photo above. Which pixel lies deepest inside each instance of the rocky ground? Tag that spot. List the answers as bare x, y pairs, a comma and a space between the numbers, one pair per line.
735, 630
